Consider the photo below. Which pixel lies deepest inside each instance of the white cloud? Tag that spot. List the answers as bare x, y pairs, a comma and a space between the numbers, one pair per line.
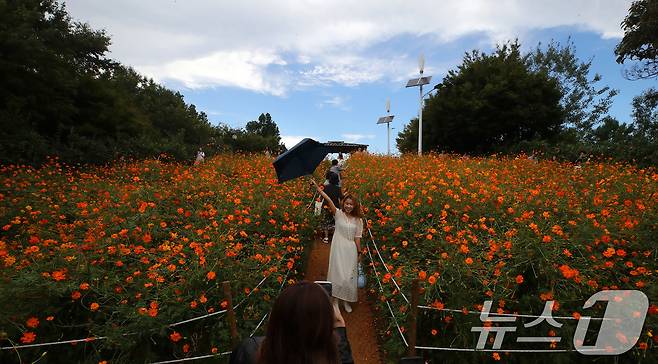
353, 138
262, 46
338, 102
290, 140
244, 69
353, 70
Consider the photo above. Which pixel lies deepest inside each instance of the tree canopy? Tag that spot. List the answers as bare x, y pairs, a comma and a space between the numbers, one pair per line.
489, 102
257, 136
61, 95
584, 101
640, 41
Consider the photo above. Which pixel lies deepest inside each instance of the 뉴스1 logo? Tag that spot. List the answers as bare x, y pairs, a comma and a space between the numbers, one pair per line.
620, 329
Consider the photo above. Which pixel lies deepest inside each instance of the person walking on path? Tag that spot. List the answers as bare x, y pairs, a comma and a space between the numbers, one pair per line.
335, 194
337, 168
345, 248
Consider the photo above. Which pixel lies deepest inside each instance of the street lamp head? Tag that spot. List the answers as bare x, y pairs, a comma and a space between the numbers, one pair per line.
388, 105
421, 63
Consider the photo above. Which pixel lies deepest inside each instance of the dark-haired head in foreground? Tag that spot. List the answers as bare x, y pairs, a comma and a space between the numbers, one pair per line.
301, 328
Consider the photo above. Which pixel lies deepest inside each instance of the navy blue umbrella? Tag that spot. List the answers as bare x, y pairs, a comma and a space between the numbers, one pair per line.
300, 160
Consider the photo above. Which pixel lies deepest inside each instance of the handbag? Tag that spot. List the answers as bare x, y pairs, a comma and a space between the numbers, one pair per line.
361, 280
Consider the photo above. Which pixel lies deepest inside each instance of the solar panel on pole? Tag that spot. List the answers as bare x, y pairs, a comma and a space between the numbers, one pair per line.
385, 119
420, 81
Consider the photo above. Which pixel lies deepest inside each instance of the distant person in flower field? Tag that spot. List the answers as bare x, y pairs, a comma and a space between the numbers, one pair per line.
303, 328
345, 248
341, 160
335, 194
200, 157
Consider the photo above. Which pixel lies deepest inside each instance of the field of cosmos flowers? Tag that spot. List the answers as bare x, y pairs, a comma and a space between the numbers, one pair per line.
130, 257
511, 230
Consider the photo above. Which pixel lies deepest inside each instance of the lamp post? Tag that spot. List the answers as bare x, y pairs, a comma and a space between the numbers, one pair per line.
387, 120
420, 82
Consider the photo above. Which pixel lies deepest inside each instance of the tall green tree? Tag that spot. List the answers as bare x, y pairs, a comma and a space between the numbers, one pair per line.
585, 102
407, 139
645, 115
61, 95
267, 130
491, 101
264, 126
257, 136
45, 57
640, 41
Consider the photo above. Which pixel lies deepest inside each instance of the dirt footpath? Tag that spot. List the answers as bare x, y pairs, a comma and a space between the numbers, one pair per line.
360, 322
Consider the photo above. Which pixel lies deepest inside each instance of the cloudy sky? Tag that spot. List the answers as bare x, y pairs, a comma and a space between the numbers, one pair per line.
324, 69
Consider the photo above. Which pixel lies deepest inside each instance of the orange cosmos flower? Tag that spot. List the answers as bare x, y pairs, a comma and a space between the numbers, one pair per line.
438, 305
468, 260
28, 337
211, 275
175, 337
94, 306
568, 272
519, 279
58, 275
32, 322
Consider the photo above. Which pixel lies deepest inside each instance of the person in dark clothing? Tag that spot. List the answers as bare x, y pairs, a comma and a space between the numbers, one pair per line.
304, 328
337, 167
335, 193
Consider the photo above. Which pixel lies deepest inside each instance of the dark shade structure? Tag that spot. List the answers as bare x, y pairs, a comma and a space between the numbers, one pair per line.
300, 160
342, 147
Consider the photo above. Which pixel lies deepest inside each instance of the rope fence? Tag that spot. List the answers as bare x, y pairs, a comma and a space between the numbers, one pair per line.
193, 358
283, 283
416, 306
91, 339
386, 266
381, 289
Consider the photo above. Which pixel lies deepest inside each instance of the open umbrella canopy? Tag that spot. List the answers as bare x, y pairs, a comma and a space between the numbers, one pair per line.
300, 160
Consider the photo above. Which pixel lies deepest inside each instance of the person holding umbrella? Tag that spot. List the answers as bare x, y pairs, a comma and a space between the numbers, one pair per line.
345, 248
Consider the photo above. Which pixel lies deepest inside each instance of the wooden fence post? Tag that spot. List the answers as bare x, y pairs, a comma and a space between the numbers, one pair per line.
413, 316
235, 339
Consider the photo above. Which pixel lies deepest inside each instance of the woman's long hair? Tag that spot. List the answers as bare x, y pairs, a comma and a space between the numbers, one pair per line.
356, 210
301, 328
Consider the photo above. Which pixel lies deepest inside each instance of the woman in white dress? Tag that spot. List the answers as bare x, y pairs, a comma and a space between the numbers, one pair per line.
345, 248
200, 157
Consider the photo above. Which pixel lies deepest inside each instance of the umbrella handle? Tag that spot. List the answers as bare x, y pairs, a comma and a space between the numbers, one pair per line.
312, 180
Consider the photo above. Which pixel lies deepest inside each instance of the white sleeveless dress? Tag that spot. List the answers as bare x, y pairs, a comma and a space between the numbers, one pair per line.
343, 257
